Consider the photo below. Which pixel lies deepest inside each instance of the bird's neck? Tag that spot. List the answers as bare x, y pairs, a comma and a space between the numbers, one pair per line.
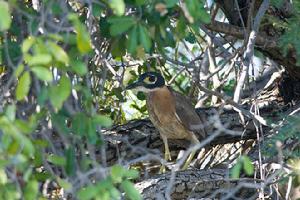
162, 99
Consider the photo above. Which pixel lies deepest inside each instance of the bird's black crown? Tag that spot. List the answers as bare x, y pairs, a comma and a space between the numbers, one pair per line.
148, 82
152, 80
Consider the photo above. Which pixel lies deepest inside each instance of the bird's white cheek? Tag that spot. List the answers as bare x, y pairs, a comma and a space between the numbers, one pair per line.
142, 89
146, 90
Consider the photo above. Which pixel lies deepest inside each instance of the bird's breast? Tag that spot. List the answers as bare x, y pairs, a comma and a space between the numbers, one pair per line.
162, 103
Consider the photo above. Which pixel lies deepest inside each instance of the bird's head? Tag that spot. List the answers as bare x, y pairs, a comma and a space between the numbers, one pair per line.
147, 82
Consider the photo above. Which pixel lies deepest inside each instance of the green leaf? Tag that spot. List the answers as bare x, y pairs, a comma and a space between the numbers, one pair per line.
42, 73
5, 18
114, 193
118, 7
96, 9
43, 96
139, 2
3, 177
38, 59
118, 48
130, 190
10, 112
31, 190
58, 53
83, 39
120, 25
60, 93
171, 3
91, 132
79, 67
57, 160
117, 173
27, 44
132, 40
145, 38
248, 166
70, 164
64, 184
23, 86
79, 124
131, 174
27, 174
102, 120
236, 170
204, 16
19, 70
197, 11
87, 193
13, 147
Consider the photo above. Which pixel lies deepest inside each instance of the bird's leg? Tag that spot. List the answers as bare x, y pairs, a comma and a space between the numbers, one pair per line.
167, 154
167, 150
188, 161
192, 154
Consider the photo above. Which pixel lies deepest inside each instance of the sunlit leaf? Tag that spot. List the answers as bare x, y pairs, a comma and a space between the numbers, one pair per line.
87, 193
64, 184
23, 86
117, 173
27, 44
102, 120
57, 160
83, 39
79, 67
236, 170
3, 177
118, 7
19, 70
247, 165
131, 174
10, 112
60, 92
42, 73
5, 18
38, 59
58, 53
31, 190
130, 190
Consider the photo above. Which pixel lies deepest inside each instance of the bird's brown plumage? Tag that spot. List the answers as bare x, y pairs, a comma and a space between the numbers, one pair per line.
173, 114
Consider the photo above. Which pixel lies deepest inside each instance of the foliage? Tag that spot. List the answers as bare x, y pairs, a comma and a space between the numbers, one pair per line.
63, 66
290, 39
243, 164
287, 135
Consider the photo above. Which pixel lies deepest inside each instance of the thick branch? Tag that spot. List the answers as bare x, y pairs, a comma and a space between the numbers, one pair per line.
238, 32
196, 184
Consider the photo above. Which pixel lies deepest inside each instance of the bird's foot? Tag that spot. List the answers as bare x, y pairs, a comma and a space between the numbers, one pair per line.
162, 169
168, 156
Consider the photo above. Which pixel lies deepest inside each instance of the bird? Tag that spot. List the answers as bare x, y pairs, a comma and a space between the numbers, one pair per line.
170, 112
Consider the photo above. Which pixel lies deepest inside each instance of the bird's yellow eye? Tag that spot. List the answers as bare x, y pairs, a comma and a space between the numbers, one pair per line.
150, 79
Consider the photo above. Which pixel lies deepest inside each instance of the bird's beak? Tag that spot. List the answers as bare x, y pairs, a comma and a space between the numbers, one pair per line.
133, 85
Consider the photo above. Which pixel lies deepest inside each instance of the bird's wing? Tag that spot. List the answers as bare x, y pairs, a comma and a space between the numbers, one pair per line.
187, 115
